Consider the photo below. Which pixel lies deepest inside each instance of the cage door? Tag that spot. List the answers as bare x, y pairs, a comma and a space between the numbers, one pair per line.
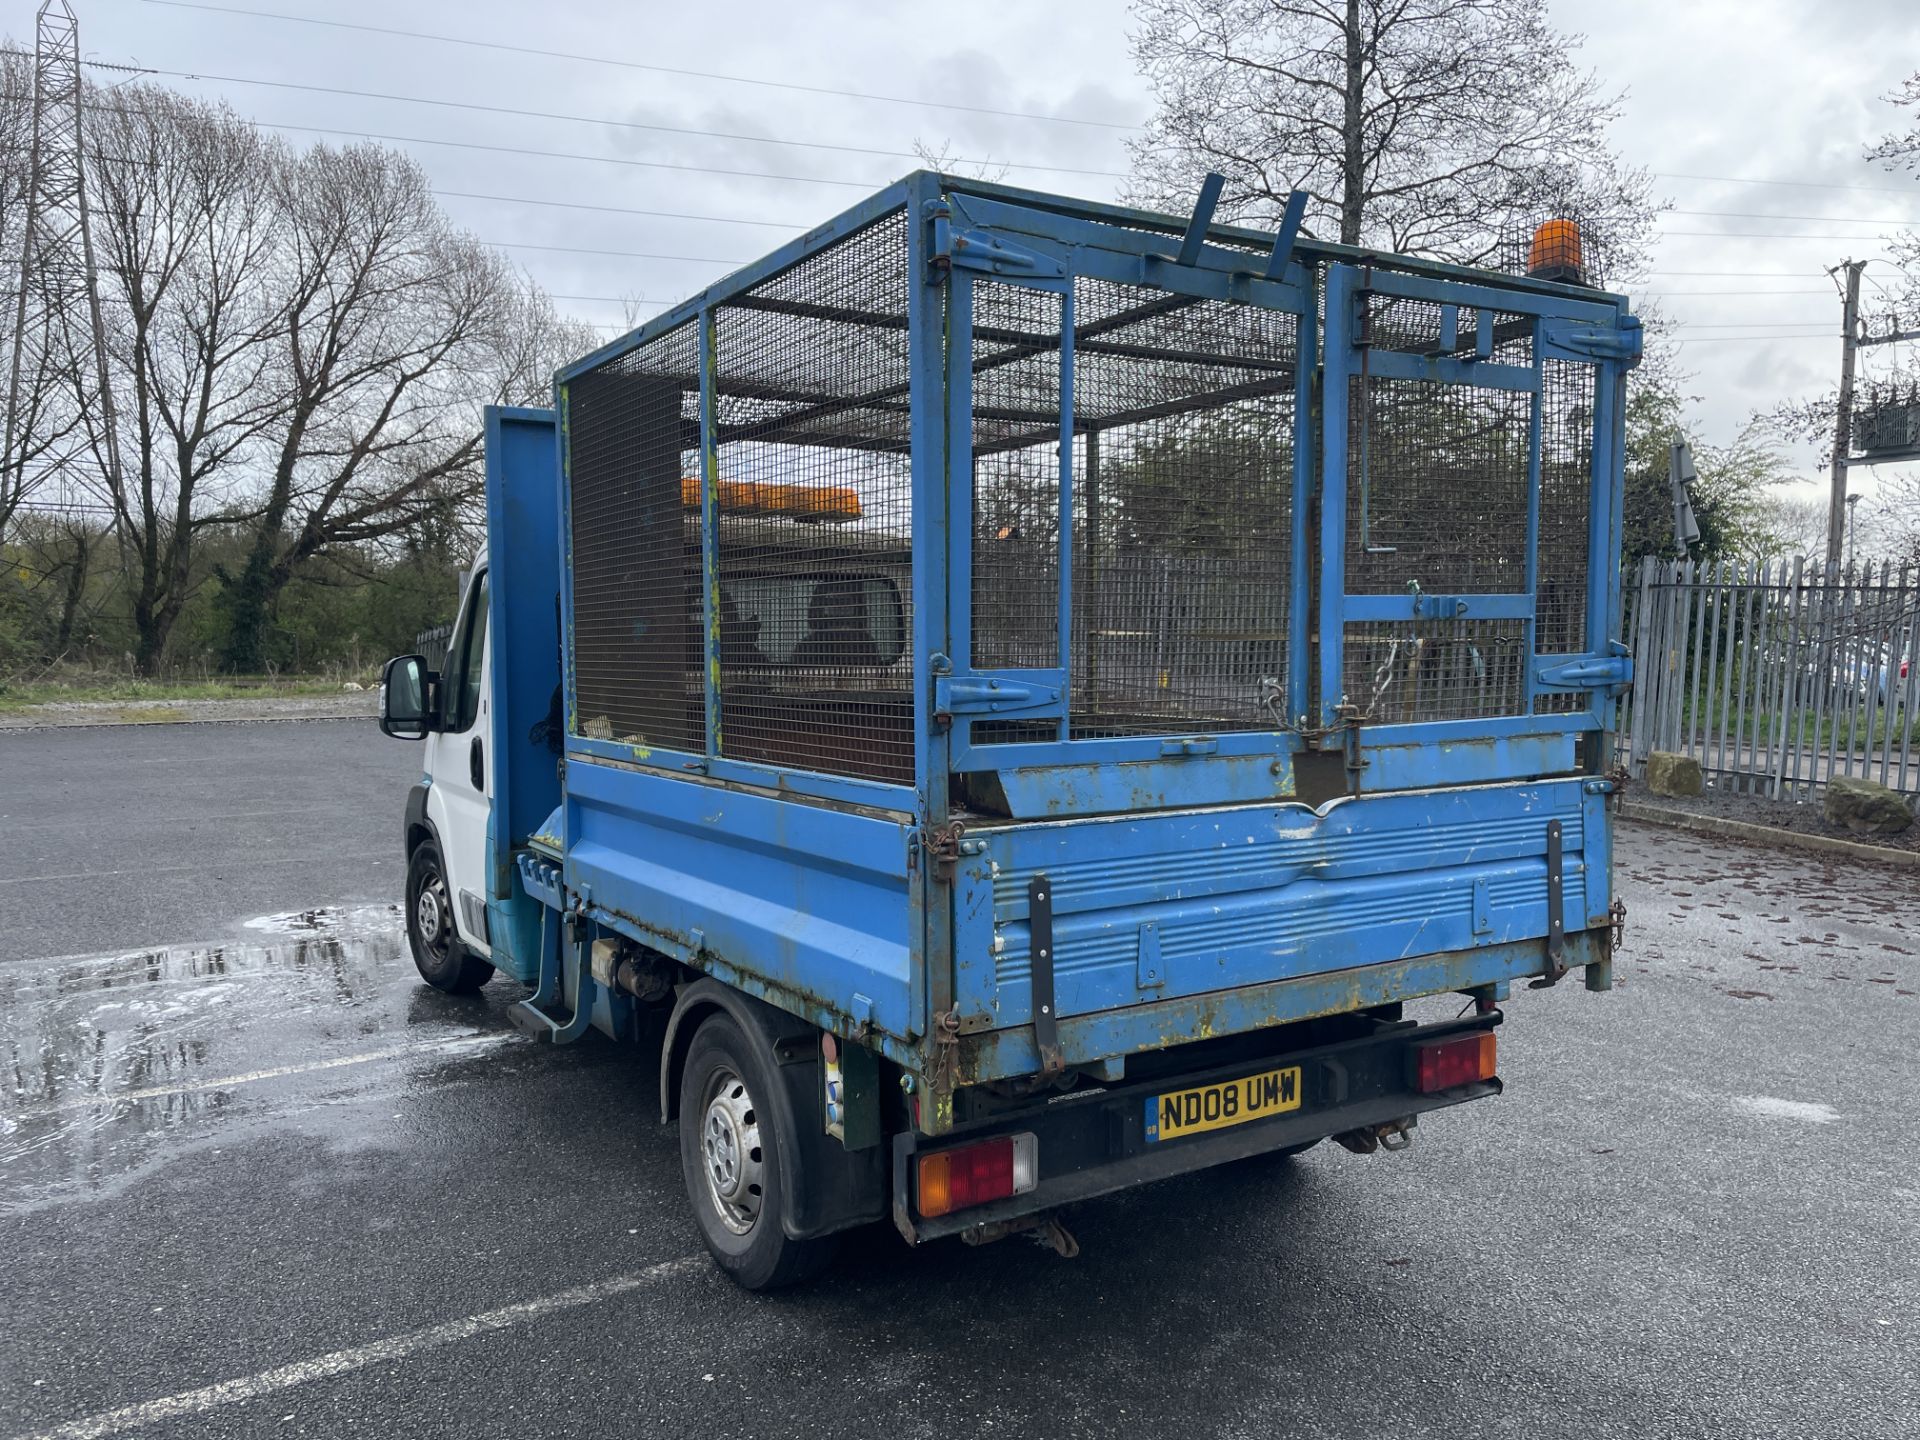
1010, 389
1437, 397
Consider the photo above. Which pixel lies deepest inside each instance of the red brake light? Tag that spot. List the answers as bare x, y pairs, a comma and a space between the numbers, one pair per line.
1454, 1060
974, 1174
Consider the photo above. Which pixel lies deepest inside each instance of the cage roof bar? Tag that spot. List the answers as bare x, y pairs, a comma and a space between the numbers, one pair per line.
874, 208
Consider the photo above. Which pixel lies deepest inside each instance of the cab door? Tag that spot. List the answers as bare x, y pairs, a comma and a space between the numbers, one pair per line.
461, 770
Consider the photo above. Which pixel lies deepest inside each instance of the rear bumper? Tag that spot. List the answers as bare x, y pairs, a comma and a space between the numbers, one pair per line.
1095, 1143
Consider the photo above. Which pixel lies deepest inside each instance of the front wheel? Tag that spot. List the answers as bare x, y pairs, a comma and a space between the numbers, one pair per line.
732, 1150
443, 962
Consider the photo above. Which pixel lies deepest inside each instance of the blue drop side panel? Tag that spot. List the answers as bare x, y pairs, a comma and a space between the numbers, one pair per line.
805, 904
1248, 895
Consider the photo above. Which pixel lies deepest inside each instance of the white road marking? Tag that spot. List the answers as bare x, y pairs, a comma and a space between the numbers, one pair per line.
253, 862
341, 1362
250, 1077
1774, 1108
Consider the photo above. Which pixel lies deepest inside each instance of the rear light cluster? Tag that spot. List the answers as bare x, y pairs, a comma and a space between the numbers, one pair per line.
1453, 1060
969, 1175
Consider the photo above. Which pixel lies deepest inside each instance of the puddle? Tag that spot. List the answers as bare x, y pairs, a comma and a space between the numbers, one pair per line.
110, 1063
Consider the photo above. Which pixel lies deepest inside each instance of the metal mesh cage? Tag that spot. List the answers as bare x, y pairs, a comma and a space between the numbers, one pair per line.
1016, 477
1437, 505
1436, 669
632, 433
1566, 489
1436, 488
1181, 512
812, 391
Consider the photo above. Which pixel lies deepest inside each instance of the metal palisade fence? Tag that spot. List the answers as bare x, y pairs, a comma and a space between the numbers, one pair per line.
432, 644
1777, 675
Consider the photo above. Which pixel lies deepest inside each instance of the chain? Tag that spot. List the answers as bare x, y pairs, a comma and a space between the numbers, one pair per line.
946, 1038
1382, 678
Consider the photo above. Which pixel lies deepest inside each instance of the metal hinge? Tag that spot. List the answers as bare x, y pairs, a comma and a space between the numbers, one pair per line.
1582, 340
960, 246
987, 695
1612, 672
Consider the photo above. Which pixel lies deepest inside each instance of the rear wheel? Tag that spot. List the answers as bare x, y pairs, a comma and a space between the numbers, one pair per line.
732, 1151
443, 962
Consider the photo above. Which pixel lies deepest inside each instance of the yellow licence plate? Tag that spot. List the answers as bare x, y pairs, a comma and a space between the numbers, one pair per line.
1227, 1102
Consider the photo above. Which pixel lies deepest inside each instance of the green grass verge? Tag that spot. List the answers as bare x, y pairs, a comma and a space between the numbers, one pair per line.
17, 697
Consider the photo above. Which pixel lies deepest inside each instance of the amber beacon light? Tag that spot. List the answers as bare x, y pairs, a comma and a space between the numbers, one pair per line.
1555, 253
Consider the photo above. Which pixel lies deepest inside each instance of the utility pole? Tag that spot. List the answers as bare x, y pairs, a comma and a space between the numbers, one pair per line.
57, 271
1843, 419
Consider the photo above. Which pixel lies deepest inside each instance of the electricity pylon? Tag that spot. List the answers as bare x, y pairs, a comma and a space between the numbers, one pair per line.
57, 327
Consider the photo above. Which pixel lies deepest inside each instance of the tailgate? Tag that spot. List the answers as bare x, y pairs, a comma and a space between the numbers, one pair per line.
1155, 907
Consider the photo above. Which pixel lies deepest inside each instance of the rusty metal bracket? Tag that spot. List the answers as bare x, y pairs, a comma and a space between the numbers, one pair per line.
1556, 910
942, 844
1046, 1020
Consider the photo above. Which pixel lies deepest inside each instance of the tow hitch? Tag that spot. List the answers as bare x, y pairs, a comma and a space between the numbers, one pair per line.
1392, 1135
1047, 1228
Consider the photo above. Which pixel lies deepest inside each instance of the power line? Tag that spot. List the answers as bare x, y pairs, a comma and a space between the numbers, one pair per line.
1725, 339
603, 120
562, 154
1760, 235
510, 149
1802, 184
1823, 326
916, 102
1777, 215
857, 184
1664, 294
624, 254
1729, 274
621, 210
612, 299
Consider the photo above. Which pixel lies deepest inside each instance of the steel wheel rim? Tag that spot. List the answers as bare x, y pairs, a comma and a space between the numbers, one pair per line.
731, 1157
430, 913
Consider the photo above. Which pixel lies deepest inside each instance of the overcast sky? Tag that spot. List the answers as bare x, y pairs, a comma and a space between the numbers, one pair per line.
1756, 89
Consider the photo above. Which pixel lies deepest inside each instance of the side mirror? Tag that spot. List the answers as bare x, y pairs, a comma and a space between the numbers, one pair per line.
406, 686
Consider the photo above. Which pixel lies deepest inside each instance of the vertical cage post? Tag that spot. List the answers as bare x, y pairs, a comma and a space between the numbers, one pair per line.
1065, 500
709, 534
1530, 627
1307, 447
1333, 490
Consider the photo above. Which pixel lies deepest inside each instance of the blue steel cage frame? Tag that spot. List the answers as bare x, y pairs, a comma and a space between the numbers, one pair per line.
962, 230
1027, 237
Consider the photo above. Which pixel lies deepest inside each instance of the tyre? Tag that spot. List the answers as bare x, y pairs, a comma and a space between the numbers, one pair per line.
734, 1156
443, 962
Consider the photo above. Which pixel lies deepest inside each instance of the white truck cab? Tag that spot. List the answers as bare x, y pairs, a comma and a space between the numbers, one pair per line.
446, 894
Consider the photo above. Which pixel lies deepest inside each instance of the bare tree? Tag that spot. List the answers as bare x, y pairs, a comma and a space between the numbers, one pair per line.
1795, 525
189, 240
399, 328
1424, 126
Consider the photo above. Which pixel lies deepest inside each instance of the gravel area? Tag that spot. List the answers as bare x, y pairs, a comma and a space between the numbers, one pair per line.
350, 704
1802, 817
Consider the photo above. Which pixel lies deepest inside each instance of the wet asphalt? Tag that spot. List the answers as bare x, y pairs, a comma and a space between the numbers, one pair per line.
256, 1180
